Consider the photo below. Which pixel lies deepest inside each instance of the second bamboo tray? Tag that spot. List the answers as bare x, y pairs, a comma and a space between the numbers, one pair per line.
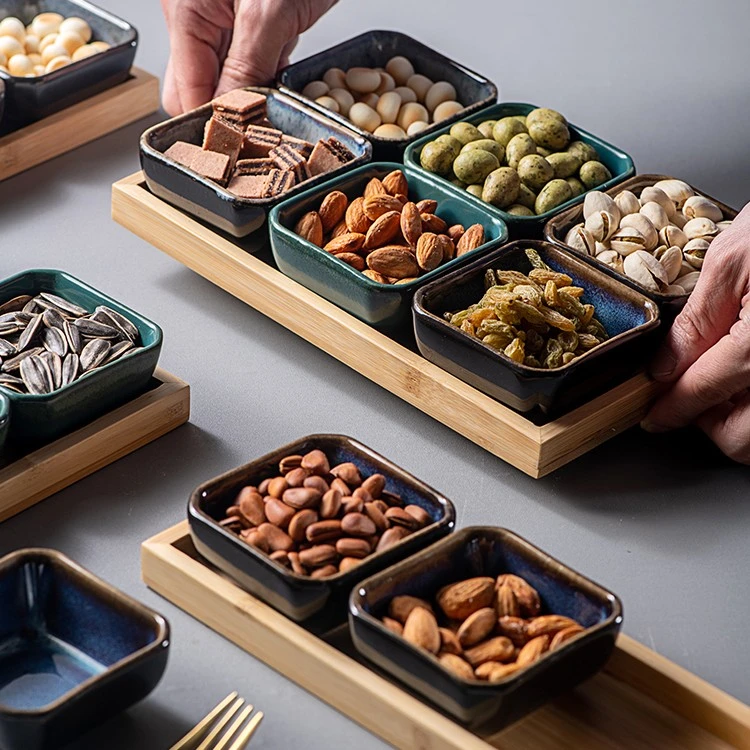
534, 449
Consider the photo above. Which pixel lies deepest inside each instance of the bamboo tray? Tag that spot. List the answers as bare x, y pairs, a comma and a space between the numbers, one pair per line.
640, 701
82, 123
534, 449
35, 476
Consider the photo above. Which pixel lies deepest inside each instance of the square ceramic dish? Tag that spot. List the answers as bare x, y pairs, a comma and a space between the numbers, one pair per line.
40, 419
630, 318
373, 49
205, 199
618, 162
4, 420
487, 551
31, 99
557, 228
381, 305
74, 651
319, 603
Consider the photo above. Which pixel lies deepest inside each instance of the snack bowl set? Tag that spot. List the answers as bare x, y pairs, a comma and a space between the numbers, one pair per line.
201, 197
374, 49
27, 100
42, 418
74, 651
381, 305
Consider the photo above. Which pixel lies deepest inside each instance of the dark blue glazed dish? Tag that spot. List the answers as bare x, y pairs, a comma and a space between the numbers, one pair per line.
618, 162
487, 551
318, 603
373, 49
212, 203
380, 305
38, 419
630, 318
31, 99
74, 651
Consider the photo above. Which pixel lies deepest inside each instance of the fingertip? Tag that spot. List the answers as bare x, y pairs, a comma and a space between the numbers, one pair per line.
653, 427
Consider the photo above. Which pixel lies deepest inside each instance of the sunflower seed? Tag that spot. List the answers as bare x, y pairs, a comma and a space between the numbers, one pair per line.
94, 353
6, 348
62, 304
31, 307
36, 375
73, 335
54, 341
30, 332
9, 328
70, 368
54, 363
10, 380
92, 329
52, 319
11, 365
15, 304
118, 350
120, 321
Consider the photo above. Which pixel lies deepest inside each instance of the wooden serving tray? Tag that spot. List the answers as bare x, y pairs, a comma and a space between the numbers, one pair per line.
36, 476
82, 123
641, 700
534, 449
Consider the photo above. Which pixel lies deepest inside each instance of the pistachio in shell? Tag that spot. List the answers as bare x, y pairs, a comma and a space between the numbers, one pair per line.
486, 144
593, 174
437, 158
564, 164
472, 167
465, 132
552, 195
506, 128
501, 187
550, 133
535, 171
519, 146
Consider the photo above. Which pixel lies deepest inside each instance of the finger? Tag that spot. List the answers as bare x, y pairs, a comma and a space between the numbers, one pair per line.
170, 95
728, 426
286, 53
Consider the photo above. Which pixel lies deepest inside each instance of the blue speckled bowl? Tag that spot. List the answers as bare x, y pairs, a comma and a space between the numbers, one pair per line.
630, 318
4, 419
487, 551
74, 651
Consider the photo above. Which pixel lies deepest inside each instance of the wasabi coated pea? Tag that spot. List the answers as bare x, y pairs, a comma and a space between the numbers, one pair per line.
437, 157
475, 190
576, 186
458, 183
543, 151
519, 146
454, 145
473, 166
506, 128
544, 113
583, 151
521, 119
501, 187
535, 171
465, 132
549, 133
564, 164
486, 144
593, 174
485, 128
518, 210
526, 196
553, 194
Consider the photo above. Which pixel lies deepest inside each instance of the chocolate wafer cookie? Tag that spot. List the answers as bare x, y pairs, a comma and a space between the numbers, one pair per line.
222, 137
240, 107
279, 181
253, 166
258, 141
298, 144
286, 157
325, 157
249, 186
210, 164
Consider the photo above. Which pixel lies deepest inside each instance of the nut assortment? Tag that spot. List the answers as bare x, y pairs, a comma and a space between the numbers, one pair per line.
391, 239
537, 320
48, 43
47, 342
481, 628
392, 102
526, 165
659, 240
319, 520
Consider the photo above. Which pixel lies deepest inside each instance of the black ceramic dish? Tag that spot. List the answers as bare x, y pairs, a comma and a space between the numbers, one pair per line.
373, 49
209, 201
630, 318
319, 603
558, 227
31, 99
74, 651
486, 551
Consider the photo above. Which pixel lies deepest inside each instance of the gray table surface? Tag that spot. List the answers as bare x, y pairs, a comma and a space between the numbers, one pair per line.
663, 520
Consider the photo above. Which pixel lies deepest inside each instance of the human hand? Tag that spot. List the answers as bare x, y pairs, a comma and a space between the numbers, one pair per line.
706, 357
220, 45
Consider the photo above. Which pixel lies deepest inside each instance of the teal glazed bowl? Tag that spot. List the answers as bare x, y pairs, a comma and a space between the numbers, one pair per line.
618, 162
38, 419
4, 420
74, 651
381, 305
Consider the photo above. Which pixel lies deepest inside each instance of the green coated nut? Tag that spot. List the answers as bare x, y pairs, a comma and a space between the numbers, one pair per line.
458, 183
465, 132
437, 158
549, 133
543, 151
553, 194
526, 196
544, 113
564, 164
475, 190
501, 187
486, 144
519, 146
521, 119
506, 128
583, 151
535, 171
473, 166
576, 186
485, 128
593, 174
518, 210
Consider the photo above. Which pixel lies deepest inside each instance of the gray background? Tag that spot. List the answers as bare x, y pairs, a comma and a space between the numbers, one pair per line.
661, 520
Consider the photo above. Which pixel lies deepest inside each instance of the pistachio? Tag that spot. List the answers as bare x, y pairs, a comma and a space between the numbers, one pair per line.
671, 259
519, 146
677, 191
598, 201
698, 206
602, 225
656, 214
695, 251
643, 224
660, 251
627, 203
579, 238
628, 240
657, 195
700, 228
644, 269
612, 259
722, 225
689, 280
678, 219
671, 235
600, 247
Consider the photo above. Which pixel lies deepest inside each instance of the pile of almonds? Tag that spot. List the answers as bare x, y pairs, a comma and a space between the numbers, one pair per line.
391, 239
481, 628
320, 520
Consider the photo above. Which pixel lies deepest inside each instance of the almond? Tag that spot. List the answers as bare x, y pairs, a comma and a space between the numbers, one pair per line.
346, 243
527, 596
380, 203
251, 506
353, 260
411, 224
561, 636
401, 606
427, 206
356, 221
548, 625
459, 600
429, 252
513, 628
472, 238
393, 625
449, 642
393, 261
501, 671
332, 209
395, 183
433, 223
477, 627
421, 629
310, 228
374, 187
507, 604
383, 230
338, 230
498, 648
456, 232
456, 665
483, 671
375, 276
532, 650
449, 249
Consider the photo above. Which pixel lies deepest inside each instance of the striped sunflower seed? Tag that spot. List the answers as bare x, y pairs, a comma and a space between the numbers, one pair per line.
94, 353
62, 304
94, 329
36, 375
70, 368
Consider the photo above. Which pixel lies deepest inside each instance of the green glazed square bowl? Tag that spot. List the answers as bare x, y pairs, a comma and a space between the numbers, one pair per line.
40, 419
381, 305
618, 162
4, 419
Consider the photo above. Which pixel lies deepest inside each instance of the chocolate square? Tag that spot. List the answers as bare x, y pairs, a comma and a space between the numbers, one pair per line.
183, 152
213, 165
253, 166
223, 138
